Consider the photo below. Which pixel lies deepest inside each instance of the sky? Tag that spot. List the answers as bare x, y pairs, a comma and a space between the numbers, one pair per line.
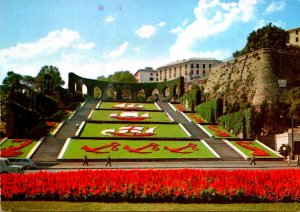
98, 37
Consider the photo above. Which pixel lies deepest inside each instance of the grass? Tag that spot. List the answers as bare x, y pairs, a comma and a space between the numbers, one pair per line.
248, 152
98, 206
74, 150
163, 130
110, 105
104, 115
25, 150
196, 118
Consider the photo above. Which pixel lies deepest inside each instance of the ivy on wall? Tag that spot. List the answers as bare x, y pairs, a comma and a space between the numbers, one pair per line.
237, 122
75, 80
211, 110
193, 97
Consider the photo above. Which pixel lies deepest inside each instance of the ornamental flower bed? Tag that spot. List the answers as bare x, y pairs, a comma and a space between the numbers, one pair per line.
180, 107
196, 118
217, 131
185, 185
135, 149
17, 147
128, 106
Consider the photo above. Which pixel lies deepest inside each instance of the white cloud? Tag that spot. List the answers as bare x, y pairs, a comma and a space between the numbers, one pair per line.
260, 24
275, 7
185, 22
52, 43
161, 24
176, 30
146, 31
109, 19
120, 51
211, 18
136, 49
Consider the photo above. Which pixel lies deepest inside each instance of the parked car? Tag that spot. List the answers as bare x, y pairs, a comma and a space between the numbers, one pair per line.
25, 162
7, 167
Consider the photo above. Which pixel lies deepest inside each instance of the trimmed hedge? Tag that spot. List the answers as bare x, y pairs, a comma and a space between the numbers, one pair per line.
238, 122
211, 110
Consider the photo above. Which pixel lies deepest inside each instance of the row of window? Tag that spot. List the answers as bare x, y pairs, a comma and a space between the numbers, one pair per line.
191, 73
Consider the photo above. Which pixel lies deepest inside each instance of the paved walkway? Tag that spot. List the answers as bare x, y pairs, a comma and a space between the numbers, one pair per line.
51, 146
171, 164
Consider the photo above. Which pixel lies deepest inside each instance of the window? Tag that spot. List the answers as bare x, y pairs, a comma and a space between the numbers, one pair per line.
297, 32
203, 65
209, 65
203, 72
160, 78
197, 65
151, 78
192, 65
197, 72
175, 74
192, 72
151, 74
297, 39
157, 74
165, 71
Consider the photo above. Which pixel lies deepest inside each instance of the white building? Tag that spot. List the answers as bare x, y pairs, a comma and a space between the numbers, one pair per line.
147, 74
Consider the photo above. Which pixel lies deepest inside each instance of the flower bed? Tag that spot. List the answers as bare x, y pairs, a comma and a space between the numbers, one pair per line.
128, 106
195, 118
185, 185
96, 130
217, 131
119, 115
135, 149
17, 148
249, 147
179, 107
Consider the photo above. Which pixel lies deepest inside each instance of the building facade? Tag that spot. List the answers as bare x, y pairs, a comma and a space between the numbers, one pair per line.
294, 37
190, 69
147, 74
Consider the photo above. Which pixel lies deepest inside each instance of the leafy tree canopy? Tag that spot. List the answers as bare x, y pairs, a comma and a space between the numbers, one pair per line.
119, 76
48, 79
268, 36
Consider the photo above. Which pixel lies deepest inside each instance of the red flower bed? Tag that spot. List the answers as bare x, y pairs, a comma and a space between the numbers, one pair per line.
186, 185
180, 107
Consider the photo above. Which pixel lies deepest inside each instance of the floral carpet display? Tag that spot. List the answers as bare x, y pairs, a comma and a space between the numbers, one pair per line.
17, 147
128, 106
185, 185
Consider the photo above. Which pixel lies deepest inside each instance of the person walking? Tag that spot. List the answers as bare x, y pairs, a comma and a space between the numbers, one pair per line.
85, 161
253, 159
288, 160
108, 161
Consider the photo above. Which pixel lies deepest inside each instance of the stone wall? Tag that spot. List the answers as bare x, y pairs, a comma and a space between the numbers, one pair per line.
254, 77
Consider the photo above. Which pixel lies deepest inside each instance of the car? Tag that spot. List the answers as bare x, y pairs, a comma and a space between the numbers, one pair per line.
7, 167
25, 162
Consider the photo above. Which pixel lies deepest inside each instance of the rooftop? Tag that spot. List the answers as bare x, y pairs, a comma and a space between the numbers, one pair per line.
188, 60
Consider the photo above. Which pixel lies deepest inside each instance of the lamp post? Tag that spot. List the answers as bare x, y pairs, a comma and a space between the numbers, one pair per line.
293, 149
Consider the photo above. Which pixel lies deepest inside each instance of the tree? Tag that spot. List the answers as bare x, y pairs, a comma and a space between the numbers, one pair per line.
48, 79
268, 36
119, 76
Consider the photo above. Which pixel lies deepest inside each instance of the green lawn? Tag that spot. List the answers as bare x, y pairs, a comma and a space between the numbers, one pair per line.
104, 115
99, 206
254, 144
75, 151
215, 133
25, 150
144, 106
95, 130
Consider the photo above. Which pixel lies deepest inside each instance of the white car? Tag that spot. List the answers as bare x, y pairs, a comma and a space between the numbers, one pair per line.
7, 167
25, 162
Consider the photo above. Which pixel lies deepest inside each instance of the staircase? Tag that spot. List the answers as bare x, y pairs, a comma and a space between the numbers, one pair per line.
225, 151
51, 146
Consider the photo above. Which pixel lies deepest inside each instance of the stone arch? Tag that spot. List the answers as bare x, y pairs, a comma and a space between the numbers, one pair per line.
126, 94
75, 87
97, 93
166, 92
175, 93
141, 95
111, 93
84, 89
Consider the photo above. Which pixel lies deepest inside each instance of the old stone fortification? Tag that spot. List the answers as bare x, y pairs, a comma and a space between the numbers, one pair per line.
254, 77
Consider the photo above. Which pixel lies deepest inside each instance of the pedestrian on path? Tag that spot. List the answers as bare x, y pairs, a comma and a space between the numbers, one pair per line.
288, 160
85, 161
108, 161
253, 159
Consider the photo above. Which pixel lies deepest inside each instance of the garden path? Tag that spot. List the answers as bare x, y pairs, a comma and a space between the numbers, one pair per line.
51, 146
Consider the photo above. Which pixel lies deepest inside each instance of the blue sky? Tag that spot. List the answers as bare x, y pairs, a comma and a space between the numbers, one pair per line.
98, 37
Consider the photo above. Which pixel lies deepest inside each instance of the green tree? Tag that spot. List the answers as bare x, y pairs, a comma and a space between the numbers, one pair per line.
48, 79
119, 76
268, 36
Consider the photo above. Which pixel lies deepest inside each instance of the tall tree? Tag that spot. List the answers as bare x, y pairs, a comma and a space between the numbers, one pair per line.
268, 36
48, 79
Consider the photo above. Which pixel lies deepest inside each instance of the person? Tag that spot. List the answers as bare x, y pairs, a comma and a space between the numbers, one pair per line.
77, 125
85, 161
108, 161
253, 159
288, 160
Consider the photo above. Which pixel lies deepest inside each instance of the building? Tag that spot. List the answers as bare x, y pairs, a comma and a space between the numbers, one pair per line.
147, 74
190, 69
294, 37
